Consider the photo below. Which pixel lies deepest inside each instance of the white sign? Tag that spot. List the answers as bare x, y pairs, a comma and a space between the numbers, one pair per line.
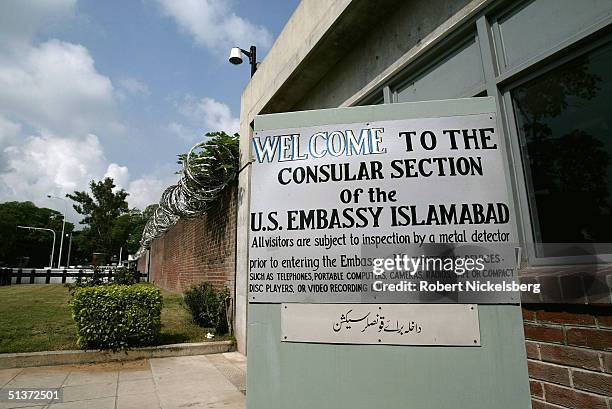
397, 324
326, 201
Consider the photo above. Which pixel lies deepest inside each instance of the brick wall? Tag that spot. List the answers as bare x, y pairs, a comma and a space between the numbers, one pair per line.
197, 250
569, 356
141, 265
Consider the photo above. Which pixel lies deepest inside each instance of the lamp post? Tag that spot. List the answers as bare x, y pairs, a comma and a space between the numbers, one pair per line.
59, 259
69, 250
42, 228
236, 57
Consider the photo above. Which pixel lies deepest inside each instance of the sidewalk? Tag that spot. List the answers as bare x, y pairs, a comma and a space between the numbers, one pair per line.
201, 381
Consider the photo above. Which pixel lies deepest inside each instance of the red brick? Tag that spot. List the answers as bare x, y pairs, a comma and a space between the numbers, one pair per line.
563, 317
570, 356
590, 337
605, 320
548, 372
536, 389
546, 334
197, 250
528, 315
607, 361
532, 350
573, 399
538, 404
593, 382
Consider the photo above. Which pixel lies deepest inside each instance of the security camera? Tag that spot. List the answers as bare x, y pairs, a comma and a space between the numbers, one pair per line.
235, 56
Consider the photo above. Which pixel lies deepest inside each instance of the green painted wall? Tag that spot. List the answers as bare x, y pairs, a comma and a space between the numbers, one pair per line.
324, 376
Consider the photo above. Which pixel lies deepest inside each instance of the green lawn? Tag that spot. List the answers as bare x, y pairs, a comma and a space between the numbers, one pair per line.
36, 317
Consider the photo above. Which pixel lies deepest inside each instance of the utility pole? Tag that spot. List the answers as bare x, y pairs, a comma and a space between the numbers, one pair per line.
42, 228
59, 259
69, 250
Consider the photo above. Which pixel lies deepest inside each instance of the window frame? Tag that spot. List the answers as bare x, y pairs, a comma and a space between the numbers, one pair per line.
434, 57
499, 80
521, 170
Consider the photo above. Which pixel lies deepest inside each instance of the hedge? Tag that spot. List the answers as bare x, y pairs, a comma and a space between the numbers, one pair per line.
117, 316
208, 306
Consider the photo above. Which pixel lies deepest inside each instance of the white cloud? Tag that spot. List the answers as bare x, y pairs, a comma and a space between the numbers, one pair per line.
53, 104
134, 86
147, 190
55, 88
21, 19
186, 133
9, 131
214, 25
120, 174
202, 116
48, 165
215, 115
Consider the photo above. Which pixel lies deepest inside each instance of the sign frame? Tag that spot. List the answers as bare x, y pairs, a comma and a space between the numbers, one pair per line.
284, 375
381, 324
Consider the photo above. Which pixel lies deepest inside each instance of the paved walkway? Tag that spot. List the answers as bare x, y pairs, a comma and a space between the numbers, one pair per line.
202, 381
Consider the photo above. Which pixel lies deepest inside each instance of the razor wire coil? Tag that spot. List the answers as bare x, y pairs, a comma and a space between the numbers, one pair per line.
207, 169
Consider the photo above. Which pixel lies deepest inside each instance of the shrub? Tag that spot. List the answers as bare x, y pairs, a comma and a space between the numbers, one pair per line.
117, 316
124, 276
208, 307
96, 278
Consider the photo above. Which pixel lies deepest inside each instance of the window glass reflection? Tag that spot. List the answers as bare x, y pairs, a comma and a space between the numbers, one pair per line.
564, 120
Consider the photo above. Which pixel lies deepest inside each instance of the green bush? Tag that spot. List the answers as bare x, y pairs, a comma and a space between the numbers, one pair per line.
117, 316
96, 278
208, 306
125, 276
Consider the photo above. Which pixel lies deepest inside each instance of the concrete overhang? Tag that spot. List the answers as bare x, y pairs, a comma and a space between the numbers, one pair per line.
318, 34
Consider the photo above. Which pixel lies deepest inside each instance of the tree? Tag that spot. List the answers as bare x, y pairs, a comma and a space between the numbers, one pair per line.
212, 165
128, 228
100, 211
83, 246
23, 248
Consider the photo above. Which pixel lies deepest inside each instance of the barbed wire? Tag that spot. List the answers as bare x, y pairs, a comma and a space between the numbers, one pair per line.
207, 169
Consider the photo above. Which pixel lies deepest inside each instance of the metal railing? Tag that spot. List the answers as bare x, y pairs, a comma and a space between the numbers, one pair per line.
10, 276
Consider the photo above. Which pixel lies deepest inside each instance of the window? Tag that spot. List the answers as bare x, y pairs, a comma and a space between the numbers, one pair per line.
549, 64
458, 74
564, 122
535, 27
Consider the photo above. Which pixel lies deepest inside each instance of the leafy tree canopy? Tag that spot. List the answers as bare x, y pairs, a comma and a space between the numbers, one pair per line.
26, 248
100, 209
128, 228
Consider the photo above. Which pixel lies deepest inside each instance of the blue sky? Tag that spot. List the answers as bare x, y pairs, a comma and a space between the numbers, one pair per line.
91, 88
